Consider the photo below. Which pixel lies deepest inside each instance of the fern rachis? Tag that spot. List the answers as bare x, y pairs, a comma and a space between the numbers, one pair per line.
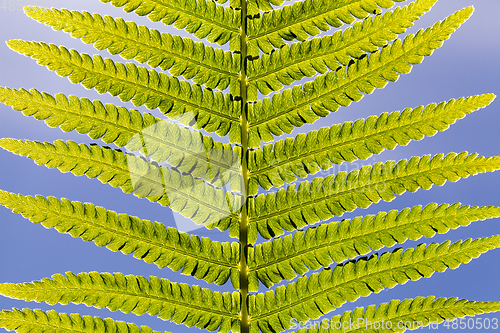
250, 188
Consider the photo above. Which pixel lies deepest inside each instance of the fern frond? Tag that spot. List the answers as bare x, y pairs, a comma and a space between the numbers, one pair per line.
27, 321
176, 302
272, 213
293, 62
323, 292
193, 198
205, 65
213, 111
152, 242
190, 152
283, 258
306, 154
418, 312
327, 93
202, 18
306, 18
110, 123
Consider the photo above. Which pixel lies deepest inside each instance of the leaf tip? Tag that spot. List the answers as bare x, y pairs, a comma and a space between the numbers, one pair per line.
468, 11
14, 44
29, 10
3, 142
489, 98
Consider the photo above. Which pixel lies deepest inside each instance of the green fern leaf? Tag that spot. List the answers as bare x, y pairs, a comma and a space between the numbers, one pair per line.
188, 151
270, 214
202, 18
193, 198
283, 258
327, 93
415, 313
285, 161
325, 291
205, 65
27, 320
293, 62
213, 111
176, 302
217, 185
110, 123
152, 242
305, 18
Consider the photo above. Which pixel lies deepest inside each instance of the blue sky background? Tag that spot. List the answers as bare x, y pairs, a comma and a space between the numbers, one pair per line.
466, 65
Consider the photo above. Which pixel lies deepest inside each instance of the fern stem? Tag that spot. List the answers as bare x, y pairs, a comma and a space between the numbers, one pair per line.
244, 163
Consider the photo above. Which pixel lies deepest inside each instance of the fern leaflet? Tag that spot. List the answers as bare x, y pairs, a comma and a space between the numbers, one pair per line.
205, 65
213, 111
293, 62
272, 213
327, 93
305, 18
26, 320
138, 295
188, 151
202, 18
214, 207
152, 242
286, 160
325, 291
317, 247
